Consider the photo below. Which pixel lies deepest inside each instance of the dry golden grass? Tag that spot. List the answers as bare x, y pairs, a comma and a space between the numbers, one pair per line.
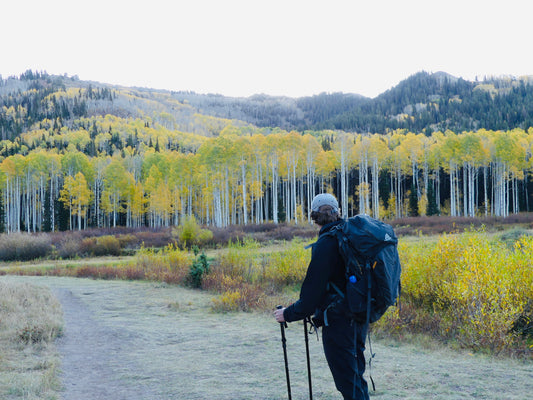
30, 320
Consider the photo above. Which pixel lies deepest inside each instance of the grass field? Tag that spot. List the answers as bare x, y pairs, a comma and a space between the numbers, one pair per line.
157, 341
30, 320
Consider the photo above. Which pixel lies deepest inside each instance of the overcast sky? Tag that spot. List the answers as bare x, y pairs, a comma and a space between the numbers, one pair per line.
277, 47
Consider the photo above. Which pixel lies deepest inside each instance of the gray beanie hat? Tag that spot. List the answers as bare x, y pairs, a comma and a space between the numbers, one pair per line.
324, 199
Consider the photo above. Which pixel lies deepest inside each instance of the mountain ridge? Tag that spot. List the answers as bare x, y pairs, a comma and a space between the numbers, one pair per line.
423, 102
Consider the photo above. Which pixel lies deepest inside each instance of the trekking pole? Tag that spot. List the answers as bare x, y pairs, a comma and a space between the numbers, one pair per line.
306, 335
283, 325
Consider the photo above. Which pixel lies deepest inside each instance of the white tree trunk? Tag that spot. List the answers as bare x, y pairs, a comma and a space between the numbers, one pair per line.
344, 185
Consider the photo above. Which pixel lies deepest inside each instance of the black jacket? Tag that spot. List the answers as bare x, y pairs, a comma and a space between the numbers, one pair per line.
326, 266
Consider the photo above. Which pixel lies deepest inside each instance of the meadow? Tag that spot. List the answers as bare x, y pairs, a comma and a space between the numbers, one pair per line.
139, 340
470, 288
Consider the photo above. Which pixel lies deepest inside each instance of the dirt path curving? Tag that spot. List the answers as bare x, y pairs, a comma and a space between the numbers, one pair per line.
138, 340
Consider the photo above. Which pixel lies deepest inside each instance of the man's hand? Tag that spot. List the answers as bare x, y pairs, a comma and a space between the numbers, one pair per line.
278, 314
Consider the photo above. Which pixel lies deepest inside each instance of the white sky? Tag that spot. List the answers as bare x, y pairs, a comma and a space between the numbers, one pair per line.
278, 47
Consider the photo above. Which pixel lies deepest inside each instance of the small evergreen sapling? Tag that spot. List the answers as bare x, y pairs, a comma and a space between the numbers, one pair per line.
198, 269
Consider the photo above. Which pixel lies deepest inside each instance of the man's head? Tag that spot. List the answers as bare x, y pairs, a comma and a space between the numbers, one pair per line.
324, 209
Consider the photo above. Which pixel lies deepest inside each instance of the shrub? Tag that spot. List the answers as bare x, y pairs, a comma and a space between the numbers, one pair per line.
69, 246
106, 246
478, 289
86, 246
223, 236
169, 264
127, 240
152, 238
242, 260
236, 294
218, 281
288, 266
189, 233
24, 246
511, 236
228, 301
249, 278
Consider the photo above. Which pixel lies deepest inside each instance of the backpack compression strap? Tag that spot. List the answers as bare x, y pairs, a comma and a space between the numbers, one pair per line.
368, 300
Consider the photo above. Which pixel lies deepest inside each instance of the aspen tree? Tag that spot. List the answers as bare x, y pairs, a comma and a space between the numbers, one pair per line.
471, 153
399, 166
137, 204
342, 148
312, 150
258, 144
37, 175
159, 200
273, 156
378, 152
116, 186
77, 195
12, 168
99, 166
451, 153
360, 155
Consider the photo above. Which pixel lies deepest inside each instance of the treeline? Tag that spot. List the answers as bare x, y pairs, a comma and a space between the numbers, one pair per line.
438, 102
75, 154
146, 176
421, 103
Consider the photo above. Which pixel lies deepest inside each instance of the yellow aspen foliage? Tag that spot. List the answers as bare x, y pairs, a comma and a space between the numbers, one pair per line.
76, 195
478, 286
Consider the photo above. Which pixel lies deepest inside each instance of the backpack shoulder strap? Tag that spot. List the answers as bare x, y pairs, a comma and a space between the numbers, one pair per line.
339, 292
331, 232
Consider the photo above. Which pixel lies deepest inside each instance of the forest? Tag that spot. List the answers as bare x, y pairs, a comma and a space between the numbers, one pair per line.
423, 102
77, 154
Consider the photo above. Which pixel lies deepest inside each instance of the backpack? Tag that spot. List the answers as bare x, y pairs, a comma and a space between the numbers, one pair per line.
370, 253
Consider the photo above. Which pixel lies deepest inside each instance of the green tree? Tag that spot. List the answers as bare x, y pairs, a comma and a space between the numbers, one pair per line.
413, 201
431, 208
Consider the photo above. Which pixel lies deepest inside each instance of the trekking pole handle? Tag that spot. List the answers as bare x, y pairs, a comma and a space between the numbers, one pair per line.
282, 323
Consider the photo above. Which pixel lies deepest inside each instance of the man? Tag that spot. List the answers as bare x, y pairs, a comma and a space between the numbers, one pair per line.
343, 339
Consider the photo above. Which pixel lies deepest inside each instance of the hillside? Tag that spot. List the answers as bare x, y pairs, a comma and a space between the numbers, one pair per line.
421, 103
35, 100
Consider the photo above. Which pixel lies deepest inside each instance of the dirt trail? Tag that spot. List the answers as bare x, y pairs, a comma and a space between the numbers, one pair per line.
136, 340
93, 356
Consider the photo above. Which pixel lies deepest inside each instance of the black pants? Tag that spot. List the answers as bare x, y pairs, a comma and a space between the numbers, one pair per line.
344, 346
